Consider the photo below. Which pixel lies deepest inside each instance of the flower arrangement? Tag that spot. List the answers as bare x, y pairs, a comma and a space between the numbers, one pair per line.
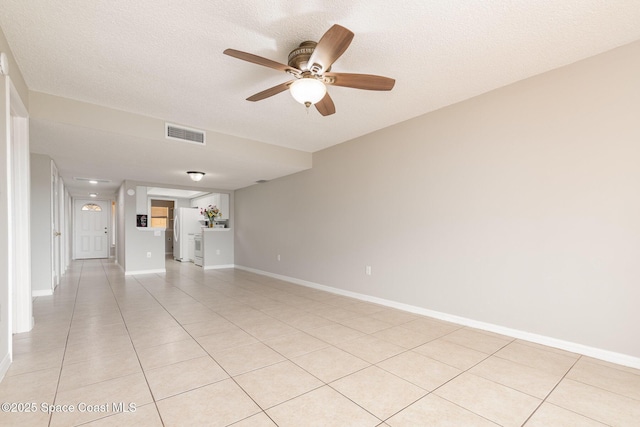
211, 212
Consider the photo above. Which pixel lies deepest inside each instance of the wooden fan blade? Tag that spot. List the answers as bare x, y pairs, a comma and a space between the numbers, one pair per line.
325, 106
332, 44
360, 81
249, 57
270, 92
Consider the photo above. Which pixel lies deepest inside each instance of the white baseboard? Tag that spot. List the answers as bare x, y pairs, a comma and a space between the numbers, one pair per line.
158, 271
597, 353
216, 267
4, 365
42, 293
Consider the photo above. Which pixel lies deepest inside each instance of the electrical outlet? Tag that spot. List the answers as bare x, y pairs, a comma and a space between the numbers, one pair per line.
217, 251
278, 257
148, 254
367, 270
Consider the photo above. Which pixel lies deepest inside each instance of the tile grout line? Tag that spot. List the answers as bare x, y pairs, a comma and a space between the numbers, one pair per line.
191, 291
73, 312
553, 389
327, 384
452, 378
132, 344
209, 354
351, 373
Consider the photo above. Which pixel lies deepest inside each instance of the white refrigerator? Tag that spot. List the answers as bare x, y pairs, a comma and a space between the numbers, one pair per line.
186, 224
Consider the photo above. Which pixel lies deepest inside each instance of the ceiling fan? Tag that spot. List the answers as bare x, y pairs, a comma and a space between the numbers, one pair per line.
310, 64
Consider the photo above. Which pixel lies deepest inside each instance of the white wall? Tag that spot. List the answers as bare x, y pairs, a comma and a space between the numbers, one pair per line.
517, 208
5, 212
138, 242
41, 233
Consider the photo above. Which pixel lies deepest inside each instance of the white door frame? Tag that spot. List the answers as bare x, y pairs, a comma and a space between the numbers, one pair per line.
22, 307
15, 245
169, 229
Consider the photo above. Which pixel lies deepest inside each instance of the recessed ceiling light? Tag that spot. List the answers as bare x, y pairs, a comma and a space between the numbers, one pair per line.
93, 194
93, 181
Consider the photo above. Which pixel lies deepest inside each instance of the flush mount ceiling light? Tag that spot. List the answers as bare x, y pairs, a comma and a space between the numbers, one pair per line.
308, 91
93, 194
195, 175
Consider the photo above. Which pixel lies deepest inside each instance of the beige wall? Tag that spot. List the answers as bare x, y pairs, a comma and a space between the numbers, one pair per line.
518, 208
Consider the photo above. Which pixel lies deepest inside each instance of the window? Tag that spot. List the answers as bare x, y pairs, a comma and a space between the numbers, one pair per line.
159, 216
92, 207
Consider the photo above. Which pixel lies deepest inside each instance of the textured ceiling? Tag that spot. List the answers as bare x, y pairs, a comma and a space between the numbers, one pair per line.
164, 59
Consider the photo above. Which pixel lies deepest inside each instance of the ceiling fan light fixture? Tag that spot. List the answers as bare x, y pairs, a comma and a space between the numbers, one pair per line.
308, 90
195, 175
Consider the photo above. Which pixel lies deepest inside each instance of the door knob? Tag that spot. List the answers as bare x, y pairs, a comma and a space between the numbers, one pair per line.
57, 233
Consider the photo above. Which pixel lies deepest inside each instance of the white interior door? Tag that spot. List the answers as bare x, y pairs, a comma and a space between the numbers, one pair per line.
92, 229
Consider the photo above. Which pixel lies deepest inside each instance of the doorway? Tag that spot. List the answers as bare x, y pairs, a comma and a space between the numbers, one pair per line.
162, 217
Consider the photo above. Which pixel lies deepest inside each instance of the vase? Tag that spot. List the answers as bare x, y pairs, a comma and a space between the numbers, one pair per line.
210, 224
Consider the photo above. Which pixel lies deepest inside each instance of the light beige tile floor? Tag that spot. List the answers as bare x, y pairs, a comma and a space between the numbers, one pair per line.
228, 347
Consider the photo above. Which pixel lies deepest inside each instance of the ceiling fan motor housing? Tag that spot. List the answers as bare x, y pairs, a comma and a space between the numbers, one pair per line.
299, 57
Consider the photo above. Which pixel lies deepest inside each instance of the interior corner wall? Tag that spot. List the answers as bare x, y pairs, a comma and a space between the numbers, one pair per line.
516, 208
14, 71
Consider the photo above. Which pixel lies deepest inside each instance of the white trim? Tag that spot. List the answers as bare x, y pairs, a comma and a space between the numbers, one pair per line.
20, 299
4, 365
42, 293
597, 353
216, 267
132, 273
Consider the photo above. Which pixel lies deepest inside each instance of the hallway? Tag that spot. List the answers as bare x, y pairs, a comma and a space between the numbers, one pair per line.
219, 347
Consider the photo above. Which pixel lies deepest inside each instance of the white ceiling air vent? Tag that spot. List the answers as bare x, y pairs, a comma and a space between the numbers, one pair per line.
181, 133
